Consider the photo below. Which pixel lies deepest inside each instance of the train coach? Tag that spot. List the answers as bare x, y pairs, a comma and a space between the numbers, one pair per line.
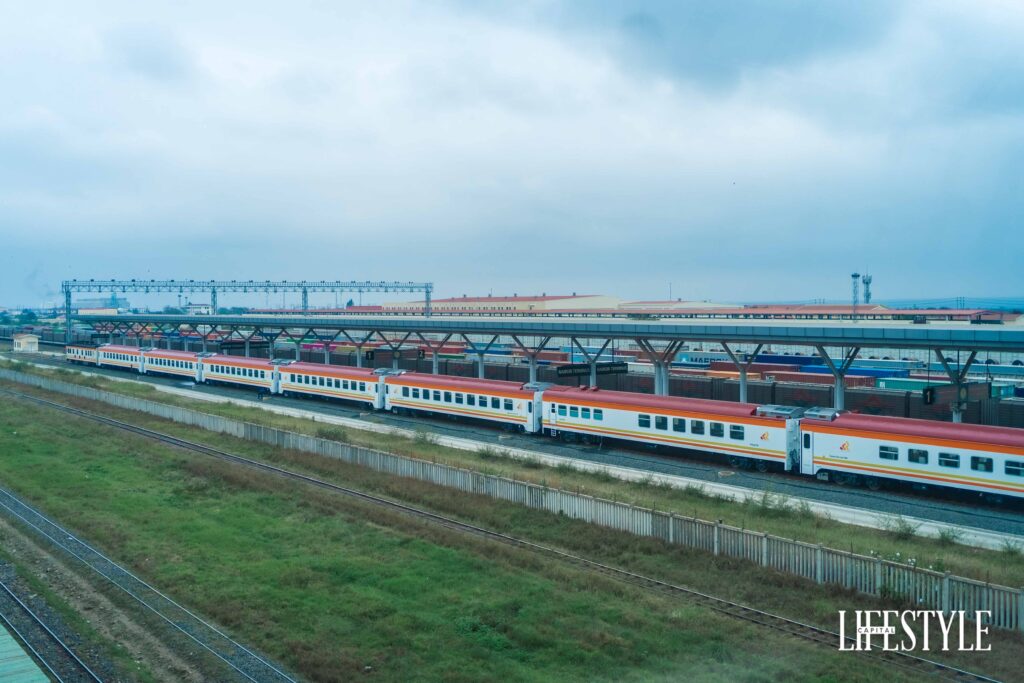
331, 381
855, 449
175, 363
128, 357
512, 405
765, 437
83, 355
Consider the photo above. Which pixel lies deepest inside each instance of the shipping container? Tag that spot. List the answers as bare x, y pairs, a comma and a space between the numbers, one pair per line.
787, 358
755, 367
813, 378
864, 372
909, 383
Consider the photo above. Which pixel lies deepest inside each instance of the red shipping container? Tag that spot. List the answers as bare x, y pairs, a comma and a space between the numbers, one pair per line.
729, 366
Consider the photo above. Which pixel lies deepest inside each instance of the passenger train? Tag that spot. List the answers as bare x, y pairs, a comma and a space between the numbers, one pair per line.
842, 447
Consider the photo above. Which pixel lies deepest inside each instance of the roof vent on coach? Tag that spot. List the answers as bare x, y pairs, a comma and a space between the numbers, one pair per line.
784, 412
390, 372
825, 414
282, 361
537, 386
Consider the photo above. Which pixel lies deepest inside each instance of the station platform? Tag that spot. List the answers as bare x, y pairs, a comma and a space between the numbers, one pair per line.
16, 665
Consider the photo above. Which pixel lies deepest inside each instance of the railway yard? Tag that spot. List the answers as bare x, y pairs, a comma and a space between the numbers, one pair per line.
177, 519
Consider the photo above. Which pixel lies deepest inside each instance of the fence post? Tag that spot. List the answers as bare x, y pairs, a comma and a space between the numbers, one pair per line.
819, 564
945, 593
1020, 609
671, 527
878, 576
764, 549
718, 526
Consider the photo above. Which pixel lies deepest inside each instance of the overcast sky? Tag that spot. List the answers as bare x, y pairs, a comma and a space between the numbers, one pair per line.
740, 150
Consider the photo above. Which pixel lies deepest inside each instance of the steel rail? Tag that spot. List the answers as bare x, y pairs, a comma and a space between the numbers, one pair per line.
737, 610
6, 592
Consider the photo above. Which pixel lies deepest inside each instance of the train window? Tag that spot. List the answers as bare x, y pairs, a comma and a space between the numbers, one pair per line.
717, 429
554, 409
471, 399
888, 452
496, 404
1015, 468
696, 426
981, 463
405, 391
678, 424
415, 393
736, 432
508, 404
949, 460
362, 386
483, 401
643, 421
437, 395
660, 422
447, 397
562, 411
529, 407
585, 413
574, 411
344, 384
598, 414
917, 455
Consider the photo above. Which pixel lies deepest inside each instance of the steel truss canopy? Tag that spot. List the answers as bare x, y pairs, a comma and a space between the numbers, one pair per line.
949, 337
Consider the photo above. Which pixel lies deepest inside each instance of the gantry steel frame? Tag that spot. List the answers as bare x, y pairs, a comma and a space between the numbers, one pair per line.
215, 286
658, 341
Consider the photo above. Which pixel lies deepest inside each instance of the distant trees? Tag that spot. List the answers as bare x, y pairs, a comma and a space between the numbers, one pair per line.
172, 310
350, 303
27, 317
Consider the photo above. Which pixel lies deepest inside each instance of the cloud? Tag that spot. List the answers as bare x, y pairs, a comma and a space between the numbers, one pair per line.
738, 149
149, 50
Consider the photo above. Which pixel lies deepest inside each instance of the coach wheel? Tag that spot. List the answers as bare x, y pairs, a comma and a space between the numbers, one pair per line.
735, 461
569, 437
873, 483
521, 428
395, 410
844, 479
993, 498
762, 466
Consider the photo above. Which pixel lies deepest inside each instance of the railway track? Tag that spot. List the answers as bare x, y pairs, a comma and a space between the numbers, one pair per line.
807, 632
45, 645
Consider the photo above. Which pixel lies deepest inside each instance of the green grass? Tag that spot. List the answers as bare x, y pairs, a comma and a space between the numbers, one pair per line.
732, 579
763, 511
331, 587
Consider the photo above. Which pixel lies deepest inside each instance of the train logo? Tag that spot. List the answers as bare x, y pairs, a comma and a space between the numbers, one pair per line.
765, 436
845, 446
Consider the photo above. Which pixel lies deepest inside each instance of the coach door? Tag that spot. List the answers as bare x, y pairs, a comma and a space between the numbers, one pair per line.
807, 453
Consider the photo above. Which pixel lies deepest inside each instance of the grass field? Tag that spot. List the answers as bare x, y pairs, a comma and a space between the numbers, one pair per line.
332, 588
734, 580
764, 511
